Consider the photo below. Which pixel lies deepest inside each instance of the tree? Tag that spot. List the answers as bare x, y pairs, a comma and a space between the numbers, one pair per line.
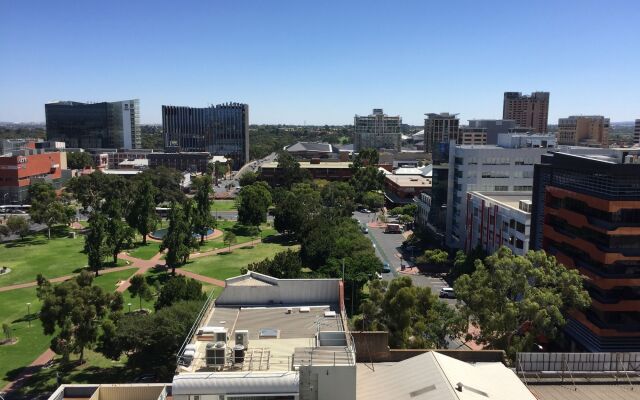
373, 200
4, 230
178, 240
150, 341
96, 244
248, 178
142, 214
435, 257
284, 265
92, 190
73, 311
6, 329
296, 208
339, 198
229, 239
18, 225
414, 317
366, 157
202, 220
464, 263
254, 203
79, 160
179, 288
366, 179
514, 300
46, 208
167, 181
140, 288
289, 170
119, 234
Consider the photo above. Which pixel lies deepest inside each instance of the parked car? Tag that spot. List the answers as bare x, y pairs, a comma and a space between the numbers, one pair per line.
447, 293
386, 268
364, 228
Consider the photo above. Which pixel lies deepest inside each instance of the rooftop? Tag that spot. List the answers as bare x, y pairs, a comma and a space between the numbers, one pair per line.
409, 180
308, 164
310, 146
507, 199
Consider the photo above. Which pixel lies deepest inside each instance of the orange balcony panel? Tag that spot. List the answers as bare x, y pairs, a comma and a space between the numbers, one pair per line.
580, 221
594, 202
623, 305
578, 243
580, 317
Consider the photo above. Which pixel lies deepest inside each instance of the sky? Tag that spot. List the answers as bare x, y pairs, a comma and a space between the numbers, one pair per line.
321, 62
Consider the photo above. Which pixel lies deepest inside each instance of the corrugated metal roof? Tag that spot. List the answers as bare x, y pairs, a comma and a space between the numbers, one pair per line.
568, 391
235, 383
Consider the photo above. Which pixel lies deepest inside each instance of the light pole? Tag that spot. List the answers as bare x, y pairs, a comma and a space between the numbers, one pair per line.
29, 314
129, 308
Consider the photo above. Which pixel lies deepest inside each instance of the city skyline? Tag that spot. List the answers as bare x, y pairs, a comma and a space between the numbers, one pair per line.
295, 63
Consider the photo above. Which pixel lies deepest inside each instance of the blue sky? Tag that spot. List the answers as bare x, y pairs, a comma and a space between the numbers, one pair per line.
321, 61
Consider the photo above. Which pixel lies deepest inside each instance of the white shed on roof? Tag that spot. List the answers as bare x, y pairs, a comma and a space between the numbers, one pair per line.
238, 383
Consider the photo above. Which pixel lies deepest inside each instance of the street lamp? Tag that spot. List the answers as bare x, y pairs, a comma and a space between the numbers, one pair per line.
129, 308
29, 314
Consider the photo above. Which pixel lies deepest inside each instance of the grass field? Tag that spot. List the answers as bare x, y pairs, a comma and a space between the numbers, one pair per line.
145, 252
36, 254
226, 265
31, 340
223, 205
218, 243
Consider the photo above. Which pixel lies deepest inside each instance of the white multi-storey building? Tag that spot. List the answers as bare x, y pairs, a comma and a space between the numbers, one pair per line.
377, 131
505, 167
496, 219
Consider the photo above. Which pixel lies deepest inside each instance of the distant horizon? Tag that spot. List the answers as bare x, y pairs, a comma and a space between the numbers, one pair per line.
322, 63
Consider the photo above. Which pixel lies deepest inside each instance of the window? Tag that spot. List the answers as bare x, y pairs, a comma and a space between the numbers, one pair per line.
520, 227
519, 244
501, 188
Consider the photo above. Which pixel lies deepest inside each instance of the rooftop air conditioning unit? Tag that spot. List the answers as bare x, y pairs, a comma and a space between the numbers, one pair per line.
216, 354
242, 337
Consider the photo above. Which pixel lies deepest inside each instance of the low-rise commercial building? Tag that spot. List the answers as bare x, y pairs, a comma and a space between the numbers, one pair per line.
587, 214
20, 169
328, 170
496, 219
400, 189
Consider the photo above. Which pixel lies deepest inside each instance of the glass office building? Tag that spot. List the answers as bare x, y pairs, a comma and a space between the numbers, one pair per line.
95, 125
221, 130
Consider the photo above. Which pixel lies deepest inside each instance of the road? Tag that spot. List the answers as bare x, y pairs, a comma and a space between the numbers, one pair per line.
388, 248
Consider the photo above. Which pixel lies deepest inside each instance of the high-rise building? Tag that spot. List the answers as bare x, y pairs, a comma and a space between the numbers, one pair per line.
221, 130
95, 125
588, 131
586, 213
493, 127
506, 167
439, 129
530, 112
636, 132
377, 131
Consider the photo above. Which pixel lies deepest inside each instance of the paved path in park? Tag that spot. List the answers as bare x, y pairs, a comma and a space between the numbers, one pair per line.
201, 278
225, 249
26, 373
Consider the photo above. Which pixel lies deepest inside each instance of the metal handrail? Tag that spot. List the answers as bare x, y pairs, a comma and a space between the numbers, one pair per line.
205, 308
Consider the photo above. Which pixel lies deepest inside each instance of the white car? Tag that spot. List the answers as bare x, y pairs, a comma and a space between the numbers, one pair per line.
448, 293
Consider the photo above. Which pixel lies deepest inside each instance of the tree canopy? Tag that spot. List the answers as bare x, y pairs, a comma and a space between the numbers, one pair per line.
202, 218
142, 213
177, 289
79, 160
517, 300
46, 207
289, 170
178, 240
254, 203
284, 265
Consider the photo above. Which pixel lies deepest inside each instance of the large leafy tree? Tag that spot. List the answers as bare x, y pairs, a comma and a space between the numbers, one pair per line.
366, 179
254, 203
202, 218
338, 197
140, 288
18, 225
79, 160
73, 311
289, 170
142, 213
96, 244
366, 157
296, 208
47, 208
284, 265
248, 178
178, 240
514, 300
119, 234
149, 341
177, 289
167, 181
414, 317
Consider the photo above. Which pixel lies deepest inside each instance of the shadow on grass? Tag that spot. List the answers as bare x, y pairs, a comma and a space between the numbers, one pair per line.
26, 318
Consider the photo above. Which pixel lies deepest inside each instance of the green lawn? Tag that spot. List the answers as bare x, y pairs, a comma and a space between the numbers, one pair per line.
145, 252
223, 205
31, 340
36, 254
218, 243
227, 265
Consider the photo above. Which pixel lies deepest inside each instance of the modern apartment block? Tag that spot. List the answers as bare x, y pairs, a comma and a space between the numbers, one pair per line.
587, 131
470, 135
439, 129
587, 214
496, 219
221, 130
529, 111
93, 125
493, 127
636, 132
377, 131
505, 167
